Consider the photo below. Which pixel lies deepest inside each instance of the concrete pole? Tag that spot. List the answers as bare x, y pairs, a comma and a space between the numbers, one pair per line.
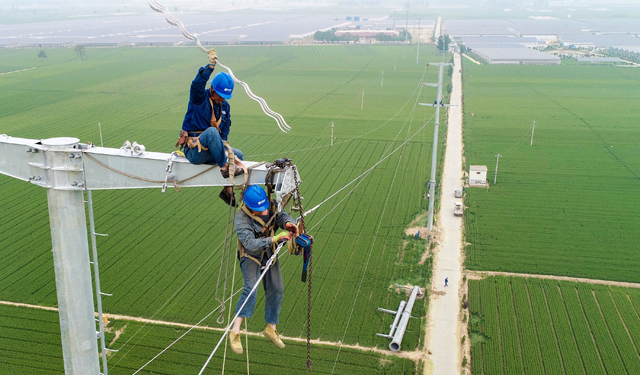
332, 133
418, 53
394, 64
434, 155
71, 261
532, 129
382, 80
362, 104
495, 177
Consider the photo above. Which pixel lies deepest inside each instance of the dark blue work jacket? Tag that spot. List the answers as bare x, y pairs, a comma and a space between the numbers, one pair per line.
198, 116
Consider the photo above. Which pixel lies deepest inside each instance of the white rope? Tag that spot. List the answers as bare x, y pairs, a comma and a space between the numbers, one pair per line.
224, 335
282, 124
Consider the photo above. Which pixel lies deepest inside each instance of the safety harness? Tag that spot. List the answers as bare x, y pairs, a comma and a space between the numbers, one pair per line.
268, 230
190, 141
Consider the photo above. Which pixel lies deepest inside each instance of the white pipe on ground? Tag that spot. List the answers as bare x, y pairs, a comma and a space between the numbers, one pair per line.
404, 320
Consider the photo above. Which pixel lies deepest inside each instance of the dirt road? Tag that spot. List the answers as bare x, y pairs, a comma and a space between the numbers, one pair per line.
443, 339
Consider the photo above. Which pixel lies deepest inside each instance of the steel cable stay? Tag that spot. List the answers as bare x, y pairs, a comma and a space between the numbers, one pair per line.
282, 124
184, 334
167, 303
276, 253
375, 237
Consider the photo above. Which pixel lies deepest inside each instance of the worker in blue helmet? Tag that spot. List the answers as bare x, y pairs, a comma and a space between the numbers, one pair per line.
207, 123
256, 225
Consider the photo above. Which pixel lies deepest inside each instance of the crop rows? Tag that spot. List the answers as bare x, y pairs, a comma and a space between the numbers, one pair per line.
568, 205
163, 252
562, 327
32, 346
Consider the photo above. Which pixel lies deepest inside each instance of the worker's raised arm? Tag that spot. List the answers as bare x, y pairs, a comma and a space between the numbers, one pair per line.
198, 94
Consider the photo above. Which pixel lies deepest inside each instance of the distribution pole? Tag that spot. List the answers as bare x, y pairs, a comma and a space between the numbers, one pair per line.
406, 28
362, 104
332, 133
532, 129
394, 64
382, 81
418, 50
434, 156
495, 177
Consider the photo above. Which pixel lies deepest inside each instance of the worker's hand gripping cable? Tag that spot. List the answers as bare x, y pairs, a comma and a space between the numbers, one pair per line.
156, 6
226, 331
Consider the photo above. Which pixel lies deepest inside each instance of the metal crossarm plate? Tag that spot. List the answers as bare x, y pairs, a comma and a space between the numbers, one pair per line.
149, 169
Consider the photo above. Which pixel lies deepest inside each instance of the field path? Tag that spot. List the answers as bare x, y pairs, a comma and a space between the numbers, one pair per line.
482, 274
414, 356
443, 330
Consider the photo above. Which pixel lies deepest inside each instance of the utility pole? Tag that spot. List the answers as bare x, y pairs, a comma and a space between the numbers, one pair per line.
67, 168
532, 129
331, 133
100, 128
382, 81
395, 63
406, 28
495, 177
418, 50
362, 103
434, 155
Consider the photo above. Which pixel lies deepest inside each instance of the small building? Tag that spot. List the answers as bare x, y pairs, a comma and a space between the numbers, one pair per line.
478, 175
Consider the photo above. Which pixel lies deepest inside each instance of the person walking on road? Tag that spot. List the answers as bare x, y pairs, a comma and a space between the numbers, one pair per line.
446, 281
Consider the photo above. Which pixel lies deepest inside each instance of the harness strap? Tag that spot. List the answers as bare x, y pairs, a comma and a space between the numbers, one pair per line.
267, 231
215, 122
193, 142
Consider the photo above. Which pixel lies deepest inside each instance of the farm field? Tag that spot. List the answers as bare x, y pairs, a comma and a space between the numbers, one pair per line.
542, 326
163, 252
31, 346
568, 205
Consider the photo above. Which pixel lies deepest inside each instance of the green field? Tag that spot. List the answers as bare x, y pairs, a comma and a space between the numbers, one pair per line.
569, 205
533, 326
161, 257
30, 344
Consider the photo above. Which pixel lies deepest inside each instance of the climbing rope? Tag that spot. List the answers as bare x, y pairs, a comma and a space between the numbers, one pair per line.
282, 124
226, 253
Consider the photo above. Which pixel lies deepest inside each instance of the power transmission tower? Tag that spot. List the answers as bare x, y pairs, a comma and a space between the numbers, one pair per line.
434, 156
495, 177
68, 169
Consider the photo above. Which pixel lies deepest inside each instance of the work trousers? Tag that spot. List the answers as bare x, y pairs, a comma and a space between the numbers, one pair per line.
210, 139
273, 288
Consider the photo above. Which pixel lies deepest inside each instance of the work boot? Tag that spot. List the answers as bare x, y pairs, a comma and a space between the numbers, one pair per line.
273, 335
229, 199
236, 343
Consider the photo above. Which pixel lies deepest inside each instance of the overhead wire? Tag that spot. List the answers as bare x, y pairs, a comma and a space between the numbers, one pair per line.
350, 139
282, 124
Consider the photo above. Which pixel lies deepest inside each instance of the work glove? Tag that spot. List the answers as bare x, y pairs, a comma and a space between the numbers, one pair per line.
291, 227
213, 55
281, 237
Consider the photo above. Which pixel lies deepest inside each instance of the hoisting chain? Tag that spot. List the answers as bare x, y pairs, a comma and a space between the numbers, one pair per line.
297, 198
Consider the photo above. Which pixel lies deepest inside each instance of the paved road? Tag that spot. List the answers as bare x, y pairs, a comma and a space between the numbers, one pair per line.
443, 337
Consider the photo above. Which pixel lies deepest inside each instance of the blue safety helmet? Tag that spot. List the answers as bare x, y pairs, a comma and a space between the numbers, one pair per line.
223, 85
255, 198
